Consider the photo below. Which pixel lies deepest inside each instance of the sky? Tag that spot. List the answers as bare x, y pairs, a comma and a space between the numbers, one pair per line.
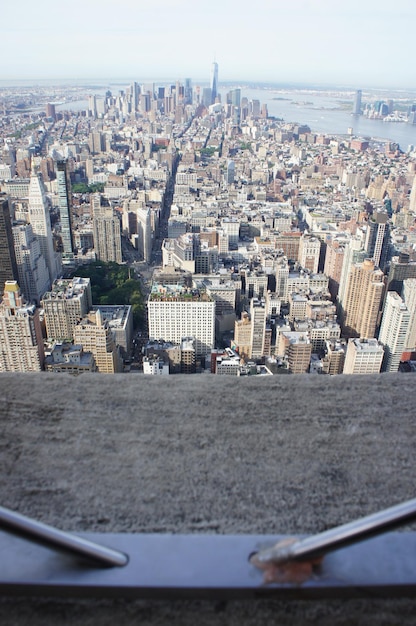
355, 43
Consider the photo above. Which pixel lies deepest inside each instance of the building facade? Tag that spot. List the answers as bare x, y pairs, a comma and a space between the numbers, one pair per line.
39, 217
21, 341
394, 331
65, 210
174, 313
94, 335
363, 356
362, 298
107, 233
8, 265
31, 265
64, 306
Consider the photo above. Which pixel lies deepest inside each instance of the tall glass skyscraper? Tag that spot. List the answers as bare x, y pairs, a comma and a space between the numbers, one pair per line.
64, 203
8, 266
214, 81
356, 110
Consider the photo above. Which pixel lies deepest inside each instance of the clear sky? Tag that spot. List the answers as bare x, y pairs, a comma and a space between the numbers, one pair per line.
359, 43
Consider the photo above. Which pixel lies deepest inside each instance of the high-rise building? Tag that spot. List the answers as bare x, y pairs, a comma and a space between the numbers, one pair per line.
364, 356
50, 110
409, 297
39, 217
354, 253
242, 335
93, 333
282, 277
309, 251
144, 233
188, 96
401, 269
92, 106
64, 306
21, 342
206, 96
361, 301
65, 210
412, 200
334, 258
230, 171
33, 274
96, 142
107, 232
214, 82
8, 265
234, 100
258, 328
135, 95
176, 312
356, 109
394, 331
377, 240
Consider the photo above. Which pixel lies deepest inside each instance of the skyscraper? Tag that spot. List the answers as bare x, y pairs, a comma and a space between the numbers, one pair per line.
21, 342
356, 109
361, 301
31, 265
258, 328
8, 265
188, 97
394, 331
107, 232
377, 240
412, 199
135, 94
214, 82
401, 268
409, 297
354, 253
144, 233
234, 98
39, 217
65, 206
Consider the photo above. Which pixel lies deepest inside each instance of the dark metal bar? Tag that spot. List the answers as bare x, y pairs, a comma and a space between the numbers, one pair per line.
166, 566
318, 545
58, 539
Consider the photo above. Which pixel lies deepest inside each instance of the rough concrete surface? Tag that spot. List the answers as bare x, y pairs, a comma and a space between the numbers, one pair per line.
189, 454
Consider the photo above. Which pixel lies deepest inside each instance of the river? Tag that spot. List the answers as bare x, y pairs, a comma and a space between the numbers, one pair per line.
324, 113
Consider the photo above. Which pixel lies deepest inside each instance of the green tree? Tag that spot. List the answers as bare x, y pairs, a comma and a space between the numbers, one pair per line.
112, 284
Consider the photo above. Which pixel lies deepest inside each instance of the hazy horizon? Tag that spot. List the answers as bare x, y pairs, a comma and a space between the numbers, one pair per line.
330, 43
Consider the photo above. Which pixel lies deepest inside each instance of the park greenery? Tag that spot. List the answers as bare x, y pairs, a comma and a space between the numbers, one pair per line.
114, 284
209, 151
84, 188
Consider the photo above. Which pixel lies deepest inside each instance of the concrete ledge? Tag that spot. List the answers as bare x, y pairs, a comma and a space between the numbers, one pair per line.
293, 454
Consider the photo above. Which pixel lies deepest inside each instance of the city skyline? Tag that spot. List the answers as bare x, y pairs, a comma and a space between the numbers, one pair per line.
327, 44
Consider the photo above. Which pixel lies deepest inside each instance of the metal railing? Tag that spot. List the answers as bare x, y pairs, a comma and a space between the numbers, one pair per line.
354, 559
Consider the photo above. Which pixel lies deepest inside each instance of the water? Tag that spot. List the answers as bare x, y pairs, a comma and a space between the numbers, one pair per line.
323, 113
